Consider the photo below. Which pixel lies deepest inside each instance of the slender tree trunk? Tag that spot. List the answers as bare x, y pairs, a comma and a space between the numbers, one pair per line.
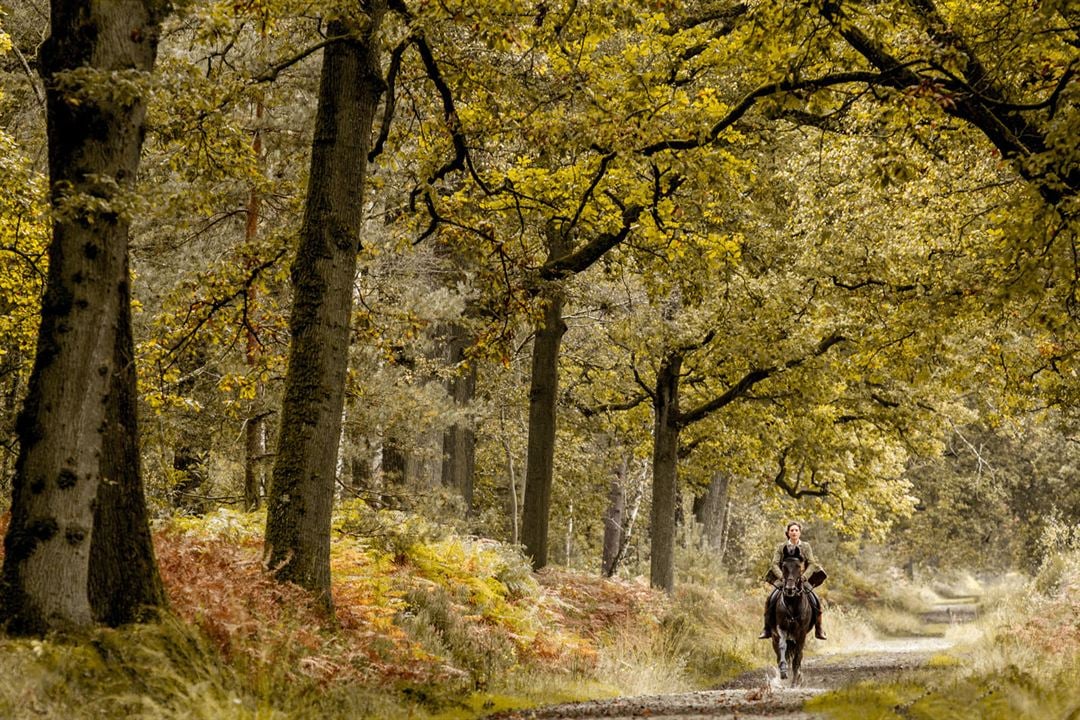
360, 474
633, 507
613, 521
255, 425
12, 393
459, 440
360, 461
302, 490
394, 464
191, 455
543, 402
254, 461
725, 528
511, 477
540, 458
665, 485
71, 410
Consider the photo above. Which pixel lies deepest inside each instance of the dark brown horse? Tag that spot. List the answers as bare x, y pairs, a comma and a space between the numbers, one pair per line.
792, 618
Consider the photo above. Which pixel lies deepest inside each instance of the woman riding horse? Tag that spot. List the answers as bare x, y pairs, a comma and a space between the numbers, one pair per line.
793, 547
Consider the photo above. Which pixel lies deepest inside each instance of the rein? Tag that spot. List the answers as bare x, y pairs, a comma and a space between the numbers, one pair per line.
800, 588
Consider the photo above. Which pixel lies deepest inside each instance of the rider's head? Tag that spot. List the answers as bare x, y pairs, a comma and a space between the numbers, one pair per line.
793, 531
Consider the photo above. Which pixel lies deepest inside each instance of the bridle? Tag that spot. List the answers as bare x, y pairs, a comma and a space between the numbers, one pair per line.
799, 585
797, 591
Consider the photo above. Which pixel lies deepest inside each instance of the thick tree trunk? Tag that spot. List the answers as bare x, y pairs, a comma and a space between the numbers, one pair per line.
302, 490
124, 583
665, 477
540, 457
459, 440
71, 412
710, 511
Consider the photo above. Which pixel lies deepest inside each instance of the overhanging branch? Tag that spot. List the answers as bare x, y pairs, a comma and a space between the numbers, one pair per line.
751, 378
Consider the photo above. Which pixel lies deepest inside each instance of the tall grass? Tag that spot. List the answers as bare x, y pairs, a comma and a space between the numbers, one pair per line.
1020, 660
427, 625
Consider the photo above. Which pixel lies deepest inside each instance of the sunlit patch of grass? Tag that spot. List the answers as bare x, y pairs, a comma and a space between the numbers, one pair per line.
162, 671
897, 623
943, 660
867, 701
957, 584
910, 598
716, 629
644, 663
525, 692
1019, 661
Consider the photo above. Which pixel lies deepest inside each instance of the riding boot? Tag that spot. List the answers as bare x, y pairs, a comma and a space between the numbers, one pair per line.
767, 632
818, 632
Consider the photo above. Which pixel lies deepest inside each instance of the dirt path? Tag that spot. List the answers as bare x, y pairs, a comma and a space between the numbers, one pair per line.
759, 695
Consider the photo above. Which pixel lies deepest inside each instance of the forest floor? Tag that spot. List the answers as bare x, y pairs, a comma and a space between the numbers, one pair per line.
762, 695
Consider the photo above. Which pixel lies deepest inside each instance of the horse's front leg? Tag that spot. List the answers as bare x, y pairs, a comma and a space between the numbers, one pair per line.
781, 653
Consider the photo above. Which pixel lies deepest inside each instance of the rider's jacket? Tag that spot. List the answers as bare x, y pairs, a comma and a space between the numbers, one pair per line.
810, 563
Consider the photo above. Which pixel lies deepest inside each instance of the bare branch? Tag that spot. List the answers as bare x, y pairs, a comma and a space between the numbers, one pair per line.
751, 378
751, 99
271, 74
793, 489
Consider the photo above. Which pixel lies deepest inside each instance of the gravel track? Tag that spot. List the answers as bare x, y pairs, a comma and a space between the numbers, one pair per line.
757, 695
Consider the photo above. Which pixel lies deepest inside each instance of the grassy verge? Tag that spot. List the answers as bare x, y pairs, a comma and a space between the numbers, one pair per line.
1020, 660
427, 625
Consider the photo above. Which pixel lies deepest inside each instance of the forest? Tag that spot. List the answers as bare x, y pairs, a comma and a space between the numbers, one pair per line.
434, 359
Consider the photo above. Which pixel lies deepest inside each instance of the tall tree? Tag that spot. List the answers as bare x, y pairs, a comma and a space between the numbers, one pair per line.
124, 581
301, 493
543, 401
79, 407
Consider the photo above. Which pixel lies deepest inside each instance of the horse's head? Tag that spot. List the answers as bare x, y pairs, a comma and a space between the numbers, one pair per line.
792, 567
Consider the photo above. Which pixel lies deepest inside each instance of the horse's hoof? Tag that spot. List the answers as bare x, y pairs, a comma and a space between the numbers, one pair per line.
783, 674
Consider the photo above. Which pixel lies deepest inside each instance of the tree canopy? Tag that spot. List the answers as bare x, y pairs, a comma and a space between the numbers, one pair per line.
824, 252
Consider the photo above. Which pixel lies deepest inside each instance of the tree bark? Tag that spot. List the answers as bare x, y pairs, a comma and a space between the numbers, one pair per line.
255, 425
459, 440
710, 510
254, 461
191, 455
540, 456
71, 414
302, 489
613, 521
395, 463
543, 401
665, 485
124, 584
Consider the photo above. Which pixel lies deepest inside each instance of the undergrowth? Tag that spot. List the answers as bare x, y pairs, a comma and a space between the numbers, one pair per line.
427, 624
1019, 661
